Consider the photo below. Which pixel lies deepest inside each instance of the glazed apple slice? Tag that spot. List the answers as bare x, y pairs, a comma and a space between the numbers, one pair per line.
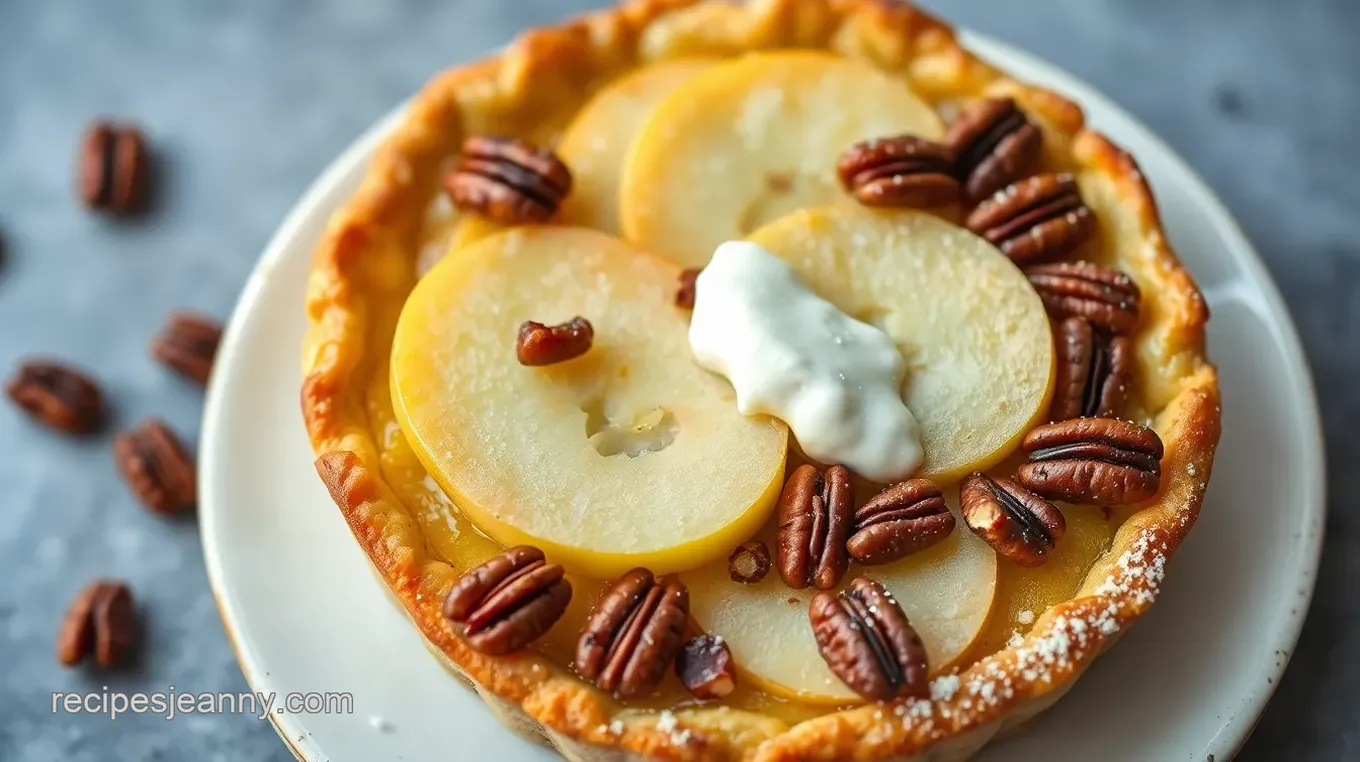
752, 140
946, 591
629, 455
972, 330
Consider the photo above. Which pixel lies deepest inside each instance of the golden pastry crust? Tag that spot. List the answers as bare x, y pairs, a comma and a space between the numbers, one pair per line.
369, 257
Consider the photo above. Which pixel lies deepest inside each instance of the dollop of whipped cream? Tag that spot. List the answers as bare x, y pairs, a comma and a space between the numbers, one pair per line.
791, 354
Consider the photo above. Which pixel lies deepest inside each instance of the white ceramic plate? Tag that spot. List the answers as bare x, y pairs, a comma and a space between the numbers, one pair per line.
306, 613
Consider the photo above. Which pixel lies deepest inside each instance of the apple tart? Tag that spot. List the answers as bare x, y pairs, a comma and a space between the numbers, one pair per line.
765, 381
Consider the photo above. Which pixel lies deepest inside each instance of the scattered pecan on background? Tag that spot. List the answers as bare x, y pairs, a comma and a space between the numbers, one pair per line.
114, 168
188, 344
1038, 219
102, 620
508, 180
508, 602
1017, 523
900, 520
157, 467
868, 643
540, 344
1092, 461
749, 563
994, 144
633, 634
1104, 296
903, 171
1094, 371
814, 521
705, 666
57, 395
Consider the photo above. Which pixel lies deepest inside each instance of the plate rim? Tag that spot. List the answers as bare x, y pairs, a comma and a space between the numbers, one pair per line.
316, 200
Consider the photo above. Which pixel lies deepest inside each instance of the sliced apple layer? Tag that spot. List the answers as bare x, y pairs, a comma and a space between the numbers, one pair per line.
752, 140
946, 592
973, 331
630, 455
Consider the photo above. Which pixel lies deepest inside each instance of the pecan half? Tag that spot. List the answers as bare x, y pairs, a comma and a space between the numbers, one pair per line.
814, 521
994, 144
114, 168
102, 620
157, 467
1094, 371
901, 171
899, 521
1038, 219
1106, 297
508, 602
508, 180
705, 666
540, 344
868, 643
685, 291
57, 395
633, 633
1093, 461
1017, 523
749, 563
187, 345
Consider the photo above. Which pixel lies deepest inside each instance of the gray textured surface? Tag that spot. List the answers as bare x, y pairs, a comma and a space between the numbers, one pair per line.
248, 102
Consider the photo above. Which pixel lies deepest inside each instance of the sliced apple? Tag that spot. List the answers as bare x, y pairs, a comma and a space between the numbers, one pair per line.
973, 331
629, 455
946, 592
752, 140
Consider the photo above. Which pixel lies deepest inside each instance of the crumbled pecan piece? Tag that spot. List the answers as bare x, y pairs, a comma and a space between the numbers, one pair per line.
749, 563
685, 291
540, 344
705, 666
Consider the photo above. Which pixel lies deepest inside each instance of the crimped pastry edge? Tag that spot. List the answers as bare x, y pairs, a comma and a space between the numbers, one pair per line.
370, 245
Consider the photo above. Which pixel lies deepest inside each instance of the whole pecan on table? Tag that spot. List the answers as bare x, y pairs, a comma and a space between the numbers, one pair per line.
1092, 461
157, 467
58, 395
815, 511
900, 520
188, 344
994, 144
1094, 371
508, 180
1104, 296
705, 666
102, 620
540, 344
114, 168
866, 640
1017, 523
633, 634
1038, 219
508, 602
903, 171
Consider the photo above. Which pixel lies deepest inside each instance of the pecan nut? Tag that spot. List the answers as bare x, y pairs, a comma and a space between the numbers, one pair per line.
815, 511
994, 144
905, 171
1093, 461
1094, 371
749, 563
188, 344
1017, 523
57, 395
633, 634
1038, 219
102, 620
508, 602
1104, 296
866, 640
705, 666
114, 168
508, 180
899, 521
685, 290
540, 344
157, 467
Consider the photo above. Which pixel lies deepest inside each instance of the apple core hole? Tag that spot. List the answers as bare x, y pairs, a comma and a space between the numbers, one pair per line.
652, 431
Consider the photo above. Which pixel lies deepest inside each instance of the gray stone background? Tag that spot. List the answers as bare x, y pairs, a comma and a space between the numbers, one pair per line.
248, 102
